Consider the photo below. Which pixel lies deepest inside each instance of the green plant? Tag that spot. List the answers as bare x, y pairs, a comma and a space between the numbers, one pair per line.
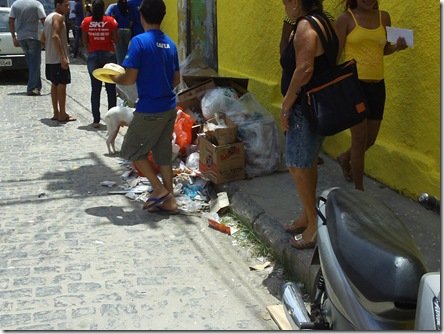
245, 236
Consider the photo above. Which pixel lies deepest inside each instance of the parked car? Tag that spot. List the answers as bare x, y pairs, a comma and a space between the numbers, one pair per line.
11, 57
47, 4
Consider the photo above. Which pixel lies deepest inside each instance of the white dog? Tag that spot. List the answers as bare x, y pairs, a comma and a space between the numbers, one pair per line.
114, 119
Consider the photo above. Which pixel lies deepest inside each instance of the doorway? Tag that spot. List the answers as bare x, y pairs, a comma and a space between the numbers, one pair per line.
198, 30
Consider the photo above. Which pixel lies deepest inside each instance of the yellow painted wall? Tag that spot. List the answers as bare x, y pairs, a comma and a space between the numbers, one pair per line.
170, 22
406, 156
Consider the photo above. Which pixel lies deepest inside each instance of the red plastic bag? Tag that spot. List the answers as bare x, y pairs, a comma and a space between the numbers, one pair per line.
183, 130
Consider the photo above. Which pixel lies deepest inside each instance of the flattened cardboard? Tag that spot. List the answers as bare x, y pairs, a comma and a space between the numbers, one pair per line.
196, 91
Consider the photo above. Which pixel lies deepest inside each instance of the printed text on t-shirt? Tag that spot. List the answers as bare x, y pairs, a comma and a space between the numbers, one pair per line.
163, 45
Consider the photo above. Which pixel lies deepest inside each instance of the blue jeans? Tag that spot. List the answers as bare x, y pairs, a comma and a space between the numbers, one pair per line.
33, 54
124, 37
97, 60
77, 32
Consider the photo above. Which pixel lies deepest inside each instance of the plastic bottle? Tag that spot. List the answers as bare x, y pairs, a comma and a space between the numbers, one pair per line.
429, 202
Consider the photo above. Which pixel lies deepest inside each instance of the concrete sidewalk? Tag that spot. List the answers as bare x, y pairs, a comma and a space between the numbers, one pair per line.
268, 202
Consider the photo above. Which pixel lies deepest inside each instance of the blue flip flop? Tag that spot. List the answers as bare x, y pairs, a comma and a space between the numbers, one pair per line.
155, 201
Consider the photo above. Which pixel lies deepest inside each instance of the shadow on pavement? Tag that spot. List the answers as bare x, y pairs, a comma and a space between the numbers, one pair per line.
117, 216
90, 128
49, 122
20, 94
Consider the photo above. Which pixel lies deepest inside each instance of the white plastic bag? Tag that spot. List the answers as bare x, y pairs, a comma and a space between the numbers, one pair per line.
217, 100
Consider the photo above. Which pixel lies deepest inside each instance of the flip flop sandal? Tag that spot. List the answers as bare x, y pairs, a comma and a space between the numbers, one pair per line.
298, 242
154, 201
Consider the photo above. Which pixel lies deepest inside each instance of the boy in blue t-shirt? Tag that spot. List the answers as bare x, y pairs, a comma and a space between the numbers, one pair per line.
153, 64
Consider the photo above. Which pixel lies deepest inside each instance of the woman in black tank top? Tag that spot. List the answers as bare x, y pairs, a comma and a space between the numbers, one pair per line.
302, 60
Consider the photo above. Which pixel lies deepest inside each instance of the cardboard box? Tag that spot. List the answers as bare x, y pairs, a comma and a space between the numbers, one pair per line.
239, 84
221, 136
196, 91
222, 163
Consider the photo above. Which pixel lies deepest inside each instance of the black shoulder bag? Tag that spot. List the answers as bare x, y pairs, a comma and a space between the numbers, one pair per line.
334, 99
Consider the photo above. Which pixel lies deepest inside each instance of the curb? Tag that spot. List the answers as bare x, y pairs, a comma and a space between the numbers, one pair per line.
298, 263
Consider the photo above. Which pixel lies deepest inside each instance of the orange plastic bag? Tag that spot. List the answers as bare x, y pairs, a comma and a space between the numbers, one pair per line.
183, 130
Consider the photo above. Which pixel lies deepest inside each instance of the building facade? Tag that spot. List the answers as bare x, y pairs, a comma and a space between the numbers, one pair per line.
406, 156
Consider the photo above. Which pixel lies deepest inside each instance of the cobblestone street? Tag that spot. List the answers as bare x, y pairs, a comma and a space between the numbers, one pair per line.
73, 257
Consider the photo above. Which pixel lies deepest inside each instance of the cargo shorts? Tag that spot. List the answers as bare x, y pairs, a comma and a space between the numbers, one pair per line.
150, 132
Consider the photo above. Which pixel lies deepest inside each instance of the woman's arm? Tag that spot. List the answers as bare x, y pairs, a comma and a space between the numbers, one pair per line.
85, 39
114, 36
342, 30
400, 43
305, 44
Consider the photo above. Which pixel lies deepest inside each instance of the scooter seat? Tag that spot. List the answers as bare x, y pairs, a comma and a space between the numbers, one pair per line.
374, 248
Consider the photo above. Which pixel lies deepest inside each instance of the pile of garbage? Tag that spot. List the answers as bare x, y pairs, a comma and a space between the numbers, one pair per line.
207, 105
191, 191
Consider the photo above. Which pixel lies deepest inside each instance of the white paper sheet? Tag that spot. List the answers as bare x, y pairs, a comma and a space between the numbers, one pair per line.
394, 33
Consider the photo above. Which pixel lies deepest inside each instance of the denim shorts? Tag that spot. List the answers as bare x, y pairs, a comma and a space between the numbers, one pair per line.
302, 146
150, 132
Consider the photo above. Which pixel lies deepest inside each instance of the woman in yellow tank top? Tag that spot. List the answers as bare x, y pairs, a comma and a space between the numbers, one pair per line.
362, 36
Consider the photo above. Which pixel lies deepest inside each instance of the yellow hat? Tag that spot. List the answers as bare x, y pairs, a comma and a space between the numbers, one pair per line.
104, 74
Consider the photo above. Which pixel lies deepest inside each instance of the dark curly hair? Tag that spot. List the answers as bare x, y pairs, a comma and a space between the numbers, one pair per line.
312, 5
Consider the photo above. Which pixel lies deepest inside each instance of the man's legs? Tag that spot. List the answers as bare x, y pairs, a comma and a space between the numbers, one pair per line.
159, 189
96, 87
93, 63
61, 97
55, 107
77, 37
111, 94
33, 53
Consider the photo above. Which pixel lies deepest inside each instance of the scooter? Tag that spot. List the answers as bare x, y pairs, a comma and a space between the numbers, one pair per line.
371, 274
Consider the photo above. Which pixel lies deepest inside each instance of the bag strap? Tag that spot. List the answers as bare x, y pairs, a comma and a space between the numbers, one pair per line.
328, 37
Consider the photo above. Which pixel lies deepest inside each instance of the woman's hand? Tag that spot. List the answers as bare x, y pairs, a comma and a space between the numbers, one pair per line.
401, 44
284, 115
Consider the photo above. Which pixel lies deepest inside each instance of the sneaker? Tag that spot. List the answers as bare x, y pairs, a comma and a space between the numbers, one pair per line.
34, 92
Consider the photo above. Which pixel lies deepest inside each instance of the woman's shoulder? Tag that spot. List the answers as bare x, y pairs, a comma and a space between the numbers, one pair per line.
344, 17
